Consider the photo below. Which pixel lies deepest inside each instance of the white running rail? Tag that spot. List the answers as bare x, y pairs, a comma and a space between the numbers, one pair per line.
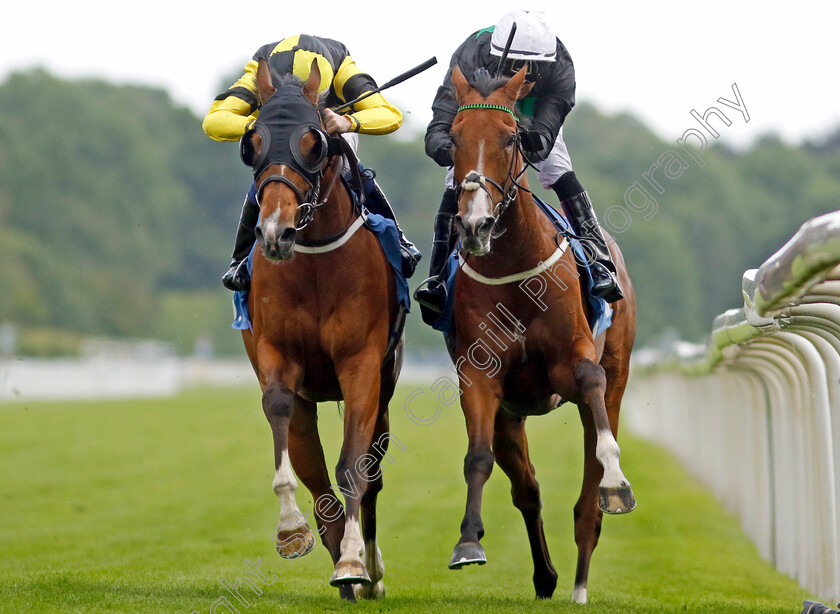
756, 417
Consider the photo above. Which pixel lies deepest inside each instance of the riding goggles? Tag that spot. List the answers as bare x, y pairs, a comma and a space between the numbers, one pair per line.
532, 69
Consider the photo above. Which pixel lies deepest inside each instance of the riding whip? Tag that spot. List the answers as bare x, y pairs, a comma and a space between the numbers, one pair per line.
507, 49
396, 80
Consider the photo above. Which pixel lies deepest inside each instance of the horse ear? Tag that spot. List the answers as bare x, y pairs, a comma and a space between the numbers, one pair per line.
460, 83
514, 86
264, 86
313, 83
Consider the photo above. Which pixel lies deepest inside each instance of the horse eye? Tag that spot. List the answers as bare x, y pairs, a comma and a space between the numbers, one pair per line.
511, 141
312, 148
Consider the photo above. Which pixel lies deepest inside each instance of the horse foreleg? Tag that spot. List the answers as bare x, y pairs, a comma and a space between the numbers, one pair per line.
307, 455
510, 445
615, 494
360, 388
373, 556
293, 536
480, 407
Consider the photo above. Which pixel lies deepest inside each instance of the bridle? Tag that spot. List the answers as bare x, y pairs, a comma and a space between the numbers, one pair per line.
308, 202
510, 189
509, 192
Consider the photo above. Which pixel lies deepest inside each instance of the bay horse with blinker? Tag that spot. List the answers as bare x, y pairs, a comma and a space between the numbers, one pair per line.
551, 353
322, 305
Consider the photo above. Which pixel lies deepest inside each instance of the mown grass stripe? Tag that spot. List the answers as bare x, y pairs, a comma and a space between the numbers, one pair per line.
147, 505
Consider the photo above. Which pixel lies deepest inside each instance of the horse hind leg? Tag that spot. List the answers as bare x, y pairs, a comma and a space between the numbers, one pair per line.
615, 494
293, 536
510, 445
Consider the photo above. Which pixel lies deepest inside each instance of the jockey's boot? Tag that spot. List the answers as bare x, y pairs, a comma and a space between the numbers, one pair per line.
431, 294
237, 277
378, 203
581, 215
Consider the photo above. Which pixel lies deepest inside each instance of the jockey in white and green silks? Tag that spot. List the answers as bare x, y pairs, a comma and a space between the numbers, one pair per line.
550, 75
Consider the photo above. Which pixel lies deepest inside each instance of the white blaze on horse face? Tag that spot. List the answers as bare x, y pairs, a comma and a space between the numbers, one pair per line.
285, 486
271, 224
479, 207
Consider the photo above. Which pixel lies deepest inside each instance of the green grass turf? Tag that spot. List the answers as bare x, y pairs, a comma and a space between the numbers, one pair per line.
147, 505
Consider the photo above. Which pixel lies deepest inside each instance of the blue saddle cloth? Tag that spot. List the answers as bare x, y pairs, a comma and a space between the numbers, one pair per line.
600, 317
384, 229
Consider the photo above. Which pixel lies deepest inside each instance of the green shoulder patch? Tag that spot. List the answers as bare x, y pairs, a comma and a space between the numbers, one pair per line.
483, 30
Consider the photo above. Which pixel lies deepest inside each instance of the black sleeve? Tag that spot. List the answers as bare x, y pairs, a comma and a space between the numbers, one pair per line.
555, 100
444, 108
357, 85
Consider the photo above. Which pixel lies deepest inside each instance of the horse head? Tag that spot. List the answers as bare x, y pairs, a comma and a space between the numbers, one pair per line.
288, 149
485, 154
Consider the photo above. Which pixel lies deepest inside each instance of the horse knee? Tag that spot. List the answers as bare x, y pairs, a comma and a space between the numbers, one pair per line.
589, 375
478, 462
278, 401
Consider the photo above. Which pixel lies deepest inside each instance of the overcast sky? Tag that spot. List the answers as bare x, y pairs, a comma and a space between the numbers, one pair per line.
657, 59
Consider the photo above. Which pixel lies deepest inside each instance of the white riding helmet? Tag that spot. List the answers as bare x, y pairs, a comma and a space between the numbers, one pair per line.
534, 40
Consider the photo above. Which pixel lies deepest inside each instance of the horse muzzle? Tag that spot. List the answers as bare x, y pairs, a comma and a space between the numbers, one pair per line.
277, 242
475, 234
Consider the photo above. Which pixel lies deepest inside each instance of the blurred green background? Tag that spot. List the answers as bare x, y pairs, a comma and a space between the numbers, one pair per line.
117, 215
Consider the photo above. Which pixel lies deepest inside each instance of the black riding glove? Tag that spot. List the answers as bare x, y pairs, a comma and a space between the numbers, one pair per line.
533, 145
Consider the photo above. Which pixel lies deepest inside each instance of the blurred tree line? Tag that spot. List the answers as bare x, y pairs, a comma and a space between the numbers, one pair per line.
117, 214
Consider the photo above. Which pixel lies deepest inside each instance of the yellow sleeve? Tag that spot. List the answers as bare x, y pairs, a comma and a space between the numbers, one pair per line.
374, 114
230, 113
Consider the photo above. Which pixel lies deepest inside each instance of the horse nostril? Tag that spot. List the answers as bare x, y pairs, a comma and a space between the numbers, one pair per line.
288, 235
459, 223
486, 225
258, 233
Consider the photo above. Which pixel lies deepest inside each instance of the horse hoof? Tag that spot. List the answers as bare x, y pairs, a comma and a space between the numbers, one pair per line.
369, 591
468, 553
295, 543
349, 572
544, 584
618, 500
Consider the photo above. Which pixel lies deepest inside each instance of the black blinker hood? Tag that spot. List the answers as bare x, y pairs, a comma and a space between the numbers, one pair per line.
283, 120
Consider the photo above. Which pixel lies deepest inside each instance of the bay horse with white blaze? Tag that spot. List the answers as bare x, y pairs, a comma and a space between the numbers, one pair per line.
551, 353
323, 306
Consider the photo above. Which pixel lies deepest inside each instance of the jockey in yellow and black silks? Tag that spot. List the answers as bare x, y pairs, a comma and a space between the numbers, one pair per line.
234, 110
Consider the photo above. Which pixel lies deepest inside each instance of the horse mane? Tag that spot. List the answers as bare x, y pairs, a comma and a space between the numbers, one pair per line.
486, 83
